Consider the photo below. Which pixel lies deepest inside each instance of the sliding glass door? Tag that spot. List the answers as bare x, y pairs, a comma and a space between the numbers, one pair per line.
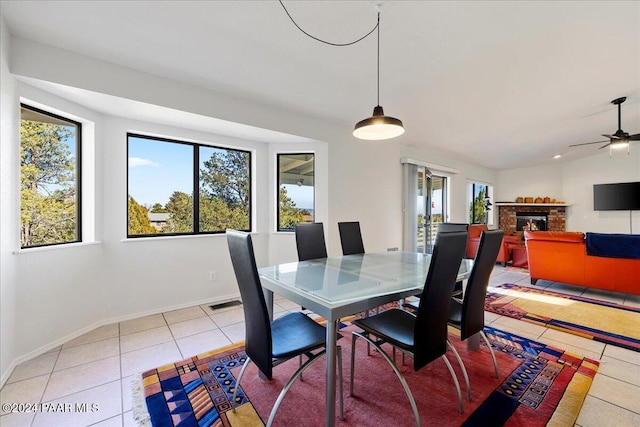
425, 205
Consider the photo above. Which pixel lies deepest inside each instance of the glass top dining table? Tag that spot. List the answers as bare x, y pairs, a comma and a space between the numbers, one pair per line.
337, 287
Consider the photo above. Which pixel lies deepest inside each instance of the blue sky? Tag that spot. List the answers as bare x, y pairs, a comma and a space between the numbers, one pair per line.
157, 169
302, 195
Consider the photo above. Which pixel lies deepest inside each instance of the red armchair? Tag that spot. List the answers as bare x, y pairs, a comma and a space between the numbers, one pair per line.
504, 255
473, 239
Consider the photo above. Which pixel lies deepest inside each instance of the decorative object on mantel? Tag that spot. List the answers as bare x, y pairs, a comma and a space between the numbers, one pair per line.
530, 200
378, 126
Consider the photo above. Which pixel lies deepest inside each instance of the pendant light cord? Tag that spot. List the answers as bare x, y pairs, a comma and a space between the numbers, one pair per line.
378, 27
338, 44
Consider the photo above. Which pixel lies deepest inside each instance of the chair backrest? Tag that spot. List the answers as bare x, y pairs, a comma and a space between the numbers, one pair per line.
448, 227
257, 325
350, 238
430, 334
310, 241
476, 290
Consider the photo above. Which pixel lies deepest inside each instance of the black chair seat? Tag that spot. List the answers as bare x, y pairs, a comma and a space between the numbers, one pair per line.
295, 333
393, 326
455, 313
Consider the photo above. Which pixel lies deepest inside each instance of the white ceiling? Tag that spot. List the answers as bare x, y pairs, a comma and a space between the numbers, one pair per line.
499, 84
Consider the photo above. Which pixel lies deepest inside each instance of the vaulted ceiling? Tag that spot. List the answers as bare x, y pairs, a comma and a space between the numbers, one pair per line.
498, 84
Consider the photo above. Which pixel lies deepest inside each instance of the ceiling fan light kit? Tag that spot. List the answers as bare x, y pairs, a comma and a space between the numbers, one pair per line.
620, 139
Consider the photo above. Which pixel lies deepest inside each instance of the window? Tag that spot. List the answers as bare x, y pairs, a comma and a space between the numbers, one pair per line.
50, 207
162, 176
295, 190
480, 203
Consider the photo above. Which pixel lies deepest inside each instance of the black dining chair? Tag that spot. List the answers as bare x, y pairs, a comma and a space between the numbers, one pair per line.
467, 314
310, 241
350, 238
422, 336
270, 343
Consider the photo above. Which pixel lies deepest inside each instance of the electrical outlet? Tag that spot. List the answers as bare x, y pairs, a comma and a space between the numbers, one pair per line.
213, 276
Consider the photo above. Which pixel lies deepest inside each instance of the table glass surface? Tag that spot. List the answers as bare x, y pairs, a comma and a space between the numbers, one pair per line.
353, 277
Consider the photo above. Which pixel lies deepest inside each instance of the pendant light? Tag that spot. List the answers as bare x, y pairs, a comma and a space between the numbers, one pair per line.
378, 126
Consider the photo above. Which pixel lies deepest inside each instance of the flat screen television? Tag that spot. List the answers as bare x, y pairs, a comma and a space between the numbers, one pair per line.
624, 196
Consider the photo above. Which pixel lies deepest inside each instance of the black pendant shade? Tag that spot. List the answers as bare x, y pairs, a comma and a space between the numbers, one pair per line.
378, 126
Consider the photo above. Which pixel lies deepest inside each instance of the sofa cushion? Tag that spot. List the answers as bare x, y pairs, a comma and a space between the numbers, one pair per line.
613, 245
558, 236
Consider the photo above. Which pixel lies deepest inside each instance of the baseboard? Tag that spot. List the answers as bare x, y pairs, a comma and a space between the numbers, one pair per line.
54, 344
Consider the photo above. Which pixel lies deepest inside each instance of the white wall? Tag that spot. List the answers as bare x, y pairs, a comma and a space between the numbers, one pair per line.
573, 182
9, 187
534, 181
156, 274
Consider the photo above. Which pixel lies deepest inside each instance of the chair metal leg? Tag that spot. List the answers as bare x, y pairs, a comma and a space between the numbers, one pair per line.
395, 369
235, 390
339, 349
463, 368
493, 356
300, 364
353, 356
295, 376
455, 381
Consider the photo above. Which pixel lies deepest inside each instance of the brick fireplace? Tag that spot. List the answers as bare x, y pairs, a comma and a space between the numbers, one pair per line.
508, 215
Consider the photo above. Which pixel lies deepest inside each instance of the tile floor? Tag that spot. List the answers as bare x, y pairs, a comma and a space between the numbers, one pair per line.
98, 367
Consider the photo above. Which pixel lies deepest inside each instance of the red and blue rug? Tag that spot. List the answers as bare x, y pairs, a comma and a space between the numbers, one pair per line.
538, 385
597, 320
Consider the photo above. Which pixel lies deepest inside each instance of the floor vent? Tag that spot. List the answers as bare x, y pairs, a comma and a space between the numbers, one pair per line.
225, 305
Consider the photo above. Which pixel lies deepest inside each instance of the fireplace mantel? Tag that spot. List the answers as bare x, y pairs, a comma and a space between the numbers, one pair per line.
530, 204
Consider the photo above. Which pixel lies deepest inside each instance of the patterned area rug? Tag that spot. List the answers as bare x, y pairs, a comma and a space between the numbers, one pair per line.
538, 385
593, 319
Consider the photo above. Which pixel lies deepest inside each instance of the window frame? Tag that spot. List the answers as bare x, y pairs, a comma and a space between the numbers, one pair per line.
277, 199
471, 190
196, 185
78, 175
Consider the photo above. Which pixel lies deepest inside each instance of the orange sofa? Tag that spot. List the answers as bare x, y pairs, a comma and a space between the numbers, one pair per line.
562, 257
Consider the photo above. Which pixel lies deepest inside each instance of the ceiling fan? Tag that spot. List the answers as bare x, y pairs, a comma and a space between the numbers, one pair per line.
620, 139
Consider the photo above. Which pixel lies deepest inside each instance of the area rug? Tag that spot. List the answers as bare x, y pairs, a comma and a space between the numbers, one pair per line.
597, 320
538, 385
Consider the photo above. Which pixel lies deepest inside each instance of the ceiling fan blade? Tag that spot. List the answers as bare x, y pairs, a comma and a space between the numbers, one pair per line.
635, 137
609, 136
604, 146
587, 143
